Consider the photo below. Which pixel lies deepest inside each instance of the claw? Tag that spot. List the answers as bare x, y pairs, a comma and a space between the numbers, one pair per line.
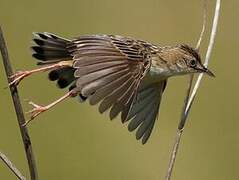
37, 110
16, 78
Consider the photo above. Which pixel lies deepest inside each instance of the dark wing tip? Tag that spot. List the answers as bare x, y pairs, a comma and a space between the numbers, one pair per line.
82, 98
131, 128
144, 140
62, 83
53, 75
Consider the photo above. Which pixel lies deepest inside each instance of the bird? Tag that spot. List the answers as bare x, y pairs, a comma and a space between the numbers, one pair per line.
123, 75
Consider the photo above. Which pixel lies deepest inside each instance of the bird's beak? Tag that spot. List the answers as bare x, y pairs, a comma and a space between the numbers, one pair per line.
210, 73
207, 71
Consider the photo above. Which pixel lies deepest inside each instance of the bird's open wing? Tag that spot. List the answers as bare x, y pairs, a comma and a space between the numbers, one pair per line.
109, 69
143, 113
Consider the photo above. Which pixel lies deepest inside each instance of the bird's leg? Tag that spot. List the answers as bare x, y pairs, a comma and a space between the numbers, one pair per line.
38, 109
20, 75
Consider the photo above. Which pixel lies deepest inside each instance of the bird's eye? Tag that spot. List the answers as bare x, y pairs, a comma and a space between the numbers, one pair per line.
192, 62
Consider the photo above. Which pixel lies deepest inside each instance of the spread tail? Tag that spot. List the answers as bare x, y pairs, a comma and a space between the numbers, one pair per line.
50, 49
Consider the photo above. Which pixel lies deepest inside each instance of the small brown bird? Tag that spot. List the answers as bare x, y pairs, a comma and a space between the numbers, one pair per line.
122, 74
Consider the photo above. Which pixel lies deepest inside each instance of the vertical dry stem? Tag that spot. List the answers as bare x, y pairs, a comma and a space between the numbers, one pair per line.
19, 112
189, 99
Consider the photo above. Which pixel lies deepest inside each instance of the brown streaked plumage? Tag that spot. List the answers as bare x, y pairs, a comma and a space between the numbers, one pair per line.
122, 74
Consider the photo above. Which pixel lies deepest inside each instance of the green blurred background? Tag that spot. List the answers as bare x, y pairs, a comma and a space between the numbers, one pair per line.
73, 141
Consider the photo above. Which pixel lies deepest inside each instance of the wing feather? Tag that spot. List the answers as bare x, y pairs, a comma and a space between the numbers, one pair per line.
110, 70
150, 118
123, 100
144, 110
139, 107
114, 95
87, 78
105, 90
100, 66
85, 61
100, 83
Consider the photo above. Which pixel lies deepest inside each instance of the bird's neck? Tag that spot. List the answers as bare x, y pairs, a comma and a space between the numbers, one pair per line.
164, 63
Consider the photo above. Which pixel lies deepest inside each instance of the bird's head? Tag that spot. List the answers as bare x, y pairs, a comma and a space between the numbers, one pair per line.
183, 59
189, 61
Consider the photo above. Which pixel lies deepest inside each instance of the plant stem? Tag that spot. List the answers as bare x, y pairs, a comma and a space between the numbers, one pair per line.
189, 99
11, 166
18, 109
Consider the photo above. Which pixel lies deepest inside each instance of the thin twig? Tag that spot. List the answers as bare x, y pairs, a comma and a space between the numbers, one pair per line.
11, 166
191, 77
189, 100
183, 117
208, 55
18, 110
179, 132
203, 25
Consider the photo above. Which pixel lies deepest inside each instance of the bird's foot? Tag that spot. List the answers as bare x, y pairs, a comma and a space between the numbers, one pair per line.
37, 110
18, 76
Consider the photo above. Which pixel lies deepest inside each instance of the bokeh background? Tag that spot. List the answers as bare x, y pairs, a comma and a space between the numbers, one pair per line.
73, 141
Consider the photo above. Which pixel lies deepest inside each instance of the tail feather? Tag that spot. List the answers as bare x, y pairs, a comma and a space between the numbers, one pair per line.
49, 49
